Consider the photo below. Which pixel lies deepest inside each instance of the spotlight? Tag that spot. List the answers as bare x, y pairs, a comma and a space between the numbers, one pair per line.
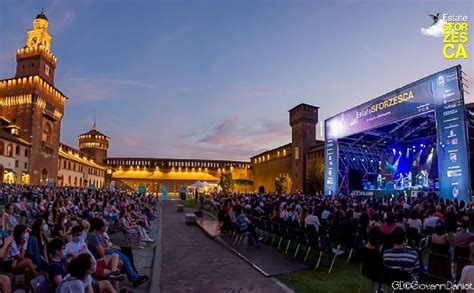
394, 151
400, 153
371, 161
353, 159
362, 160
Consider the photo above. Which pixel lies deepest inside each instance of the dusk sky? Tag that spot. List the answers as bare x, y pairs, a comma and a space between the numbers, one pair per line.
215, 79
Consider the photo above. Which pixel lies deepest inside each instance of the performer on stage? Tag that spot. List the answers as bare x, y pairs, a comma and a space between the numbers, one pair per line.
399, 181
409, 179
379, 181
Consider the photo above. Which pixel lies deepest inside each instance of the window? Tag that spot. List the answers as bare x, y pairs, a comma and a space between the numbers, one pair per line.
17, 150
26, 152
16, 164
46, 69
10, 150
26, 165
47, 132
2, 148
65, 164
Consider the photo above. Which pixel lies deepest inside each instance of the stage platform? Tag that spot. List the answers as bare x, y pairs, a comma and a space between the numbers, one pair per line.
385, 192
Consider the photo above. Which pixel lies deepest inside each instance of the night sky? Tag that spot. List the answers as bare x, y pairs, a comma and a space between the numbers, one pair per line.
215, 79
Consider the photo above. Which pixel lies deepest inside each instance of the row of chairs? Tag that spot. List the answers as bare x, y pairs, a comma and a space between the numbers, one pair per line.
309, 238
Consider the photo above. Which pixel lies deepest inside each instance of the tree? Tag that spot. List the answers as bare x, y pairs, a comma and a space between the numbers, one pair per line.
283, 183
226, 182
315, 178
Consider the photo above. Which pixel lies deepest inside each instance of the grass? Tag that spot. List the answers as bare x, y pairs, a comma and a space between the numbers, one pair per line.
197, 205
344, 277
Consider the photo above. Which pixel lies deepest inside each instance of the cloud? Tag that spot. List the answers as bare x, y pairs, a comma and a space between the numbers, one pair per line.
234, 139
434, 30
83, 90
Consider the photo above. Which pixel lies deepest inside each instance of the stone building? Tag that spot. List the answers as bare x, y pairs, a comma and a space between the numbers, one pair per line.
14, 154
78, 169
32, 103
293, 159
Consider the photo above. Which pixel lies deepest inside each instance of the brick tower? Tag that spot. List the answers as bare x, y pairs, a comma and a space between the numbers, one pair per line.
95, 144
31, 102
303, 120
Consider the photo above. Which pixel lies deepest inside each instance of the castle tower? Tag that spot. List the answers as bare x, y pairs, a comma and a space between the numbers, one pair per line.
303, 120
95, 144
30, 101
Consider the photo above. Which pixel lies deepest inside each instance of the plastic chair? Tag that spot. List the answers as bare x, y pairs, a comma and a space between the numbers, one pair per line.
326, 247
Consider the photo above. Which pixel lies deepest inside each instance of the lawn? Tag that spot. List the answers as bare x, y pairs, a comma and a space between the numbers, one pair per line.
344, 277
197, 205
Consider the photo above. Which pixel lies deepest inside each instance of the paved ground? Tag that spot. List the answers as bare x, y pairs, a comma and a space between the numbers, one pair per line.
193, 262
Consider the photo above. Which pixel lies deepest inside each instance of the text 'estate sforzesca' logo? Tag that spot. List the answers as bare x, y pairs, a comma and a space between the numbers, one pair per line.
454, 31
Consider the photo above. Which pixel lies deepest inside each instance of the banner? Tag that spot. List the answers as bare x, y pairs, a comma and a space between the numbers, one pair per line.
331, 164
453, 157
441, 93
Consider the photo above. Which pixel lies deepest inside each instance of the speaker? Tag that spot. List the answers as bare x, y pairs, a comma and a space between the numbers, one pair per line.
355, 179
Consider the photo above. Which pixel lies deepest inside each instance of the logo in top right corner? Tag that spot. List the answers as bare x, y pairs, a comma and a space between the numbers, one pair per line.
455, 36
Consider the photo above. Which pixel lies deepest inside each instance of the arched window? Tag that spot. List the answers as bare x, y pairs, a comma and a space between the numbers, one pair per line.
75, 181
2, 148
69, 180
10, 150
47, 132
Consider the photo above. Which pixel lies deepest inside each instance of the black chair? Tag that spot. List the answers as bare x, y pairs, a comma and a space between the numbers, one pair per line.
413, 236
439, 265
440, 248
460, 264
374, 274
313, 243
302, 239
396, 275
326, 248
461, 251
311, 229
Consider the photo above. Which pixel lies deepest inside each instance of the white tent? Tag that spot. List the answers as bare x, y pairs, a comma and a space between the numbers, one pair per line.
197, 184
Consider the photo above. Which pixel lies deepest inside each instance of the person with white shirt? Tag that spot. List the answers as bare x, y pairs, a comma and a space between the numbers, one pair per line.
284, 215
15, 260
326, 213
431, 221
312, 220
414, 221
78, 245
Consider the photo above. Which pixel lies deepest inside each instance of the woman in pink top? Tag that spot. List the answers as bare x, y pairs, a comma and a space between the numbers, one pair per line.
389, 223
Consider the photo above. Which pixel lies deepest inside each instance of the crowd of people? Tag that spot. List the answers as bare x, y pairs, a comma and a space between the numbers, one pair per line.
366, 224
64, 234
